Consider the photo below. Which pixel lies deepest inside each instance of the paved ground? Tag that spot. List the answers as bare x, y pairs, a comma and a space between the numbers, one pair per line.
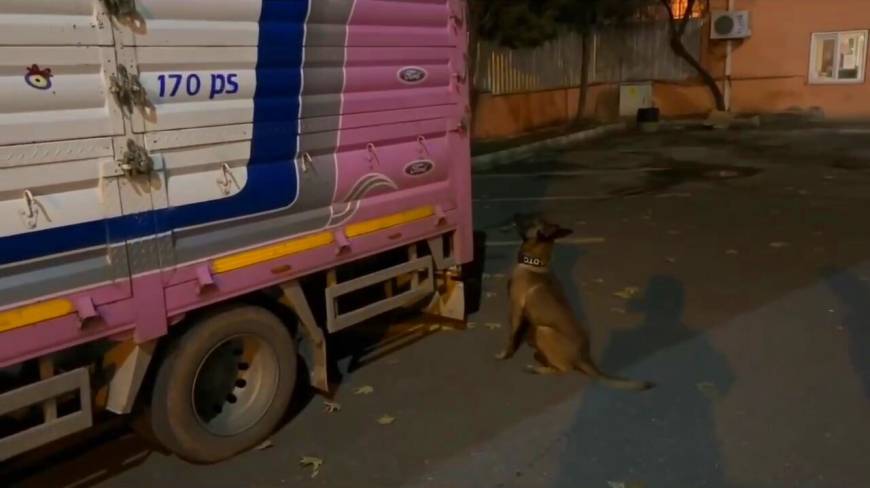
751, 251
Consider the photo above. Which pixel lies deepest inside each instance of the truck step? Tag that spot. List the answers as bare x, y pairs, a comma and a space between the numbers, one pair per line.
52, 427
419, 289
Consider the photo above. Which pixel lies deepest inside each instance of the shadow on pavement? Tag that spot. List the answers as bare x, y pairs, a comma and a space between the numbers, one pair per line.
854, 294
662, 438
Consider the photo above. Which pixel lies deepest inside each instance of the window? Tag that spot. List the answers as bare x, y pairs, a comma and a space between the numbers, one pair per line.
838, 57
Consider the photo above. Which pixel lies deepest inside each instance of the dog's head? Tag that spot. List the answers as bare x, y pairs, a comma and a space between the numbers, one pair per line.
536, 229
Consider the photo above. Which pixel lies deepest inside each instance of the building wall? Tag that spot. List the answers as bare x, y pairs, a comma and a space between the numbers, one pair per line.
770, 70
769, 74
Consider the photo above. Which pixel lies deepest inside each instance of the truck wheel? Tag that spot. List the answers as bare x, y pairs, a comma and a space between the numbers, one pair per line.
224, 385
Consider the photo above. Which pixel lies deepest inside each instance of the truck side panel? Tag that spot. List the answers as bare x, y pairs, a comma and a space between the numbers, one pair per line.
301, 135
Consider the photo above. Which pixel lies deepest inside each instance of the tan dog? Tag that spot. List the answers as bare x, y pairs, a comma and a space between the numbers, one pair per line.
541, 313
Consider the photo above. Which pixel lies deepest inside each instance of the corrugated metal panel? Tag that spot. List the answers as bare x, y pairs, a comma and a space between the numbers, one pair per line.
642, 52
553, 65
637, 52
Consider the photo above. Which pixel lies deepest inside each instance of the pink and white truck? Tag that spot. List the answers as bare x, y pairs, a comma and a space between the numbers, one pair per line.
175, 173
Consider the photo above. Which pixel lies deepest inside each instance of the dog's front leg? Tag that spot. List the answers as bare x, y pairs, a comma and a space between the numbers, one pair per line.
516, 317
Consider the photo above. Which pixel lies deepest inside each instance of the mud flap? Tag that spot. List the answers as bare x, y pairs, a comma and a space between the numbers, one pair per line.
449, 298
294, 297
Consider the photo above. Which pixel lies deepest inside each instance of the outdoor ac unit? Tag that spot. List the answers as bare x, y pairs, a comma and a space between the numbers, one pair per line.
730, 25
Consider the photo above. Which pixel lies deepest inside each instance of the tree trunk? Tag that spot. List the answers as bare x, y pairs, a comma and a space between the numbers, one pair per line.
680, 50
584, 77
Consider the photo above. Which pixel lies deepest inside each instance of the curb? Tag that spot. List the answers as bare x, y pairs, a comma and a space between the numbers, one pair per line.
488, 161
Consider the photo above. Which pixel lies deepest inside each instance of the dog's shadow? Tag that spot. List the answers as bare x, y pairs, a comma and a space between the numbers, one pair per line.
854, 295
665, 437
662, 327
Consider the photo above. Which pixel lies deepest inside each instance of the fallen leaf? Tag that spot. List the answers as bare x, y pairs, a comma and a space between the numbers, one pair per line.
624, 484
491, 294
471, 325
732, 252
492, 325
364, 390
671, 260
386, 420
312, 462
628, 292
332, 407
779, 245
264, 445
709, 390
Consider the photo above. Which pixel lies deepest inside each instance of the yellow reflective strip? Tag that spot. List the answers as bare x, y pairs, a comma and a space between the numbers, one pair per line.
371, 226
33, 314
256, 256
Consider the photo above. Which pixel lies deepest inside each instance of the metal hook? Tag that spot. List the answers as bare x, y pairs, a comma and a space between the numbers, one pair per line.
373, 154
226, 180
307, 161
424, 150
31, 215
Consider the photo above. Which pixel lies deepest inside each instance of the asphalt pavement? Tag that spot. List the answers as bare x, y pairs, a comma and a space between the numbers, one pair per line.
731, 268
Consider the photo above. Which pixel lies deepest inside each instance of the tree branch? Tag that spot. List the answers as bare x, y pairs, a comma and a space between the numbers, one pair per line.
687, 15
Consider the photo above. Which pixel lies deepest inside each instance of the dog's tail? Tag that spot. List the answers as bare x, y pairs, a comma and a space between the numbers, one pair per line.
589, 368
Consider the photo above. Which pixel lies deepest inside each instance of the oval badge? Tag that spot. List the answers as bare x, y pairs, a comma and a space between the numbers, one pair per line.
412, 75
419, 167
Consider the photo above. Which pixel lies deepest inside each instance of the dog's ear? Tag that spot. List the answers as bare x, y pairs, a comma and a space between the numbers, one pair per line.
522, 223
553, 232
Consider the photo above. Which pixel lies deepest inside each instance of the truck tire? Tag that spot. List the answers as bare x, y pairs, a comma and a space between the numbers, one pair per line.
224, 385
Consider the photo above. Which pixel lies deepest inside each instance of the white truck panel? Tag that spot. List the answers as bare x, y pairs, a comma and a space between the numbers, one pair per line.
197, 87
199, 23
56, 93
54, 22
64, 193
200, 174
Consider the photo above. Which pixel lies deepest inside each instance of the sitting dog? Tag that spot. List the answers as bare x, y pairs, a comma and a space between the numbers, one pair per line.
540, 312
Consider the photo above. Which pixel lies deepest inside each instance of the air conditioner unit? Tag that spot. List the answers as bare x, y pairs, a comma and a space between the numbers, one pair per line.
730, 25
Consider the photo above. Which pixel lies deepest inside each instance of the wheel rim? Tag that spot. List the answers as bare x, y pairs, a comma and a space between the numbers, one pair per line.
235, 385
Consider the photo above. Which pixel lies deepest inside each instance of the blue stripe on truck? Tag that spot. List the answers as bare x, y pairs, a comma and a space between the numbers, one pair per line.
272, 172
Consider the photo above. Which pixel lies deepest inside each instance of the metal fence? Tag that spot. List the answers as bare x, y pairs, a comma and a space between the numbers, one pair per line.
632, 53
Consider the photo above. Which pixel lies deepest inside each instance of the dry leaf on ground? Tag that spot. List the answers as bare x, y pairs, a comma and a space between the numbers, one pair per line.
628, 292
492, 326
364, 390
386, 420
312, 462
332, 407
709, 390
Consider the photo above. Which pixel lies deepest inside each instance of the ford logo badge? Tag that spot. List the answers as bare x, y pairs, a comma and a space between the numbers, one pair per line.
412, 75
419, 168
